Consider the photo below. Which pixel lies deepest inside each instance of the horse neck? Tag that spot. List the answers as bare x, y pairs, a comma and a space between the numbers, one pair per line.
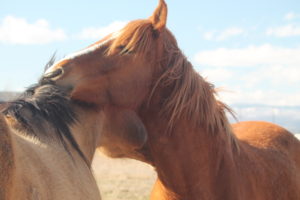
190, 162
193, 160
22, 157
83, 130
86, 132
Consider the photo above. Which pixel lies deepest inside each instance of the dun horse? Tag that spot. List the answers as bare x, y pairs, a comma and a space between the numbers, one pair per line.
47, 143
196, 152
43, 154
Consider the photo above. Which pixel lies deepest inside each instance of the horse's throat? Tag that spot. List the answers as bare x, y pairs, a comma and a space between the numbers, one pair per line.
188, 163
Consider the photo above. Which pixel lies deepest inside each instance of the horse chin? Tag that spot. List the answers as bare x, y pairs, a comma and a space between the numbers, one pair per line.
112, 154
138, 154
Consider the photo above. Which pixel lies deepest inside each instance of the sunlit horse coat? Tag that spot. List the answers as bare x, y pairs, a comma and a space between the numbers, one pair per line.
197, 154
44, 154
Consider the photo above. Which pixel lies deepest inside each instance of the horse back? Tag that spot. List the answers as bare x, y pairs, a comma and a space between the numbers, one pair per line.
269, 160
265, 135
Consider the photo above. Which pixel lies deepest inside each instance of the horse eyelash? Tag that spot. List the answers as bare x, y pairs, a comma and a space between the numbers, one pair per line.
123, 50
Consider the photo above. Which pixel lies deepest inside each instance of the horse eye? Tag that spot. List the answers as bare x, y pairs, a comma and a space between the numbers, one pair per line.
54, 74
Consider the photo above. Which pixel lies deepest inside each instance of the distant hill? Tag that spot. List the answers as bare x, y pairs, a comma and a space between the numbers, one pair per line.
6, 96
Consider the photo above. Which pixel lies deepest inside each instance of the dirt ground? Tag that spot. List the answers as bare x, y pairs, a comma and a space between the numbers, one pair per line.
123, 179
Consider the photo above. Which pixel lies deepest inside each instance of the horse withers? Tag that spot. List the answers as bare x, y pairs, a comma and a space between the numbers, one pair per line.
197, 154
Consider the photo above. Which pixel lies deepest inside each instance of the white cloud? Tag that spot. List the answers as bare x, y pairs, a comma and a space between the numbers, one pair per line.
275, 75
223, 35
217, 74
230, 32
249, 56
270, 75
290, 16
284, 31
259, 96
96, 33
14, 30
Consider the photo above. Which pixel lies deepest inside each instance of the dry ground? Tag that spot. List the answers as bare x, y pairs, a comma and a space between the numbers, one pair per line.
123, 179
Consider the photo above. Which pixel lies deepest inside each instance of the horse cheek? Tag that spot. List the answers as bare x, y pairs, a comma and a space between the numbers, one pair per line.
124, 128
133, 130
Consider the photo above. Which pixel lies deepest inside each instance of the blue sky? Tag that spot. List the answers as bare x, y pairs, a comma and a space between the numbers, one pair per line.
249, 48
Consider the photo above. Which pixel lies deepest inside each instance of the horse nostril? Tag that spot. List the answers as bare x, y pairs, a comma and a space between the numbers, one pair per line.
54, 74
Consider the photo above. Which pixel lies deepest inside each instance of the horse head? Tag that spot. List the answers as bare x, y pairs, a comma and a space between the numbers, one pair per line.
117, 75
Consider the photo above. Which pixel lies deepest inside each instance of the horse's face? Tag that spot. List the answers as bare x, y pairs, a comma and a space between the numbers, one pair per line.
100, 76
115, 75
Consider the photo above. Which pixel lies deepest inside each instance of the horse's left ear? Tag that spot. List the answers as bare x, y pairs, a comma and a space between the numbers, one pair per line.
159, 17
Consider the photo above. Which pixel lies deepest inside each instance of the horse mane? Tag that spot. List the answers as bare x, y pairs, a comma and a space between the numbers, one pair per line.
41, 105
135, 37
189, 95
193, 98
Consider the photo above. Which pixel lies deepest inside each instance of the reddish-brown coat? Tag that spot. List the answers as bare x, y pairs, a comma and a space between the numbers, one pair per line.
197, 154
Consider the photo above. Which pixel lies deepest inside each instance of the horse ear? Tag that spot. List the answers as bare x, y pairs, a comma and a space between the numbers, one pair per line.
159, 17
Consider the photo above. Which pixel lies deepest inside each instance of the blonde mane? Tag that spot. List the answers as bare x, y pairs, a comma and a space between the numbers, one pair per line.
190, 96
135, 37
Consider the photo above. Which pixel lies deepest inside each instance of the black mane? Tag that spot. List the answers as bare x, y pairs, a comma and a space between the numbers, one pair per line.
48, 105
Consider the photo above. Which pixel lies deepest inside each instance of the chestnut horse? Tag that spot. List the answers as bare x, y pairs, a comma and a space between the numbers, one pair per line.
196, 152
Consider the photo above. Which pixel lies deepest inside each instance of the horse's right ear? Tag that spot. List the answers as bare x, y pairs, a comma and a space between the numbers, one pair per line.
159, 17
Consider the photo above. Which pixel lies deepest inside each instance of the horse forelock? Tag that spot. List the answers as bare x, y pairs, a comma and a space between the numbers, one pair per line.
41, 106
136, 37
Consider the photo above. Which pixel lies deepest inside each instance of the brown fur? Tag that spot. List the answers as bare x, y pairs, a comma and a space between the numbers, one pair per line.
7, 167
195, 151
